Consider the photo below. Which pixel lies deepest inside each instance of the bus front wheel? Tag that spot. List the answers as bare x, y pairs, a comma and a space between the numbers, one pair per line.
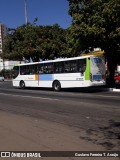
56, 86
22, 84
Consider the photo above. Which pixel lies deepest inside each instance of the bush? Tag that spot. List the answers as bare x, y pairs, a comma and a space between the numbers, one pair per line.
6, 73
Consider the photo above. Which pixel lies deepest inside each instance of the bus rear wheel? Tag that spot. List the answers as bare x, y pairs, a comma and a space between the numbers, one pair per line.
22, 84
56, 86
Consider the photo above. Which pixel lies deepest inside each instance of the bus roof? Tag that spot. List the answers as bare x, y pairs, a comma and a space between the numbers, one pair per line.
94, 53
58, 60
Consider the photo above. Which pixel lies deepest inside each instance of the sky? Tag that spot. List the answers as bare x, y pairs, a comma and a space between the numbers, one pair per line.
48, 12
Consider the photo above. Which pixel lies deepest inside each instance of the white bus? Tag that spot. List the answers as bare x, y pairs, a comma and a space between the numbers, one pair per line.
83, 71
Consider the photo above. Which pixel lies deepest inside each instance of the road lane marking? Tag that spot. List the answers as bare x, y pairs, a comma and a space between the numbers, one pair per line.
107, 96
30, 97
88, 95
55, 99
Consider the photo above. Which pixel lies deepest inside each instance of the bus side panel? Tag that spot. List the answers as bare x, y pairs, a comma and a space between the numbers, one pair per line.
67, 80
71, 80
42, 80
15, 83
46, 80
45, 77
75, 84
30, 80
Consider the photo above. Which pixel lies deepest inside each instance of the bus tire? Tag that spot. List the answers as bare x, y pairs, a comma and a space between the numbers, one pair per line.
22, 84
56, 86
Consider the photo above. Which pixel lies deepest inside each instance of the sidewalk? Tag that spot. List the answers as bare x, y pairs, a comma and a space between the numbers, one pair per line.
24, 133
114, 89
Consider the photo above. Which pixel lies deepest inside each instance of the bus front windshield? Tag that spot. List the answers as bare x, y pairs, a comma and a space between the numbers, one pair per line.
15, 71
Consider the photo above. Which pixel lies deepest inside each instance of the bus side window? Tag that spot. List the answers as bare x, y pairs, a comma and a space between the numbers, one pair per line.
67, 66
48, 68
22, 70
59, 67
45, 70
32, 69
81, 65
40, 69
73, 66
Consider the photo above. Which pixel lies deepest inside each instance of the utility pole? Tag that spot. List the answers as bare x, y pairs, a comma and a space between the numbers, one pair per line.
2, 48
26, 18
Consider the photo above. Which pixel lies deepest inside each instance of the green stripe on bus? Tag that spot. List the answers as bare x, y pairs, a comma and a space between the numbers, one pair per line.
87, 71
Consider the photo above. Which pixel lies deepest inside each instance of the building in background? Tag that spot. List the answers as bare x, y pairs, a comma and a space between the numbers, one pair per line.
8, 65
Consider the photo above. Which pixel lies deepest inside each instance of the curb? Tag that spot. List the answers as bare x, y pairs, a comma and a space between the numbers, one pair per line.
114, 89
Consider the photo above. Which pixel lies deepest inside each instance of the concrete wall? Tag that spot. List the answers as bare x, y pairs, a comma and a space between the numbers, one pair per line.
9, 64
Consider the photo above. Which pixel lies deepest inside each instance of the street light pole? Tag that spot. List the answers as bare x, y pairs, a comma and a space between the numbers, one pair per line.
2, 27
26, 18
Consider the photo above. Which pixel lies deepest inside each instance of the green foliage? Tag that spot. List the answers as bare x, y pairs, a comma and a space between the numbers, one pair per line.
35, 42
95, 23
6, 73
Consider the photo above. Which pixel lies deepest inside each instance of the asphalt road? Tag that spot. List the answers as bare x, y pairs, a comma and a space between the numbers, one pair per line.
94, 114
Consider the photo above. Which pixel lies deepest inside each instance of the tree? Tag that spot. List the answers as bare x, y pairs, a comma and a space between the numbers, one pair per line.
35, 42
96, 23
